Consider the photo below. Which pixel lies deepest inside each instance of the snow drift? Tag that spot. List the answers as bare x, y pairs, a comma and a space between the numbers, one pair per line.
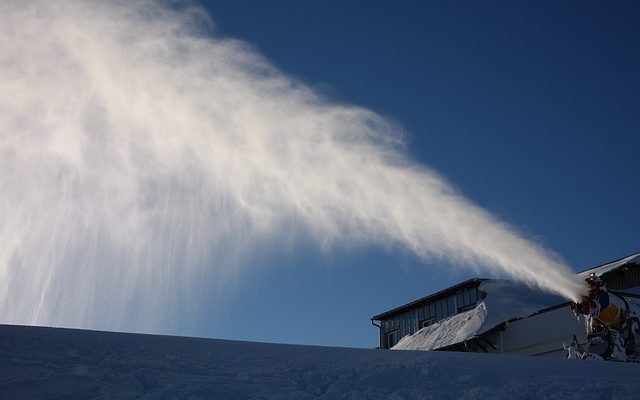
455, 329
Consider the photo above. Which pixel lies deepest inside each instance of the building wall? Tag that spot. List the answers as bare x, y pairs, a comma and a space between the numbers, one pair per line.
624, 278
541, 334
410, 321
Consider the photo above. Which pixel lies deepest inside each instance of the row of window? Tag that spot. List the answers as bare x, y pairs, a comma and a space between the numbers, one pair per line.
411, 321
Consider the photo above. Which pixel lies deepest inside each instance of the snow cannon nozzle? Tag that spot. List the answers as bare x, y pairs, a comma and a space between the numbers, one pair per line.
587, 303
594, 280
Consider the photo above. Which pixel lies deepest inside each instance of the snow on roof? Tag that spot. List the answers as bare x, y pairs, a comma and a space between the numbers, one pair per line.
505, 301
456, 329
604, 268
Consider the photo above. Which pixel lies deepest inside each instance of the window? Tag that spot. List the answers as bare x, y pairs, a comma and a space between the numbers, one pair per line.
474, 295
466, 308
467, 300
451, 305
393, 338
427, 322
439, 314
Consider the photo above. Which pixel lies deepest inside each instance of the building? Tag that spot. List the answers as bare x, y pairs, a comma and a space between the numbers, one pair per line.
484, 315
409, 318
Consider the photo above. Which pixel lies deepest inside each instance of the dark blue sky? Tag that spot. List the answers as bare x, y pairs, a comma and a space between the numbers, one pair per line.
531, 109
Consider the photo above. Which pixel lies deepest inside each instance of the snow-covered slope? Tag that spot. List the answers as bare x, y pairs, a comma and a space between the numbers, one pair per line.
47, 363
505, 300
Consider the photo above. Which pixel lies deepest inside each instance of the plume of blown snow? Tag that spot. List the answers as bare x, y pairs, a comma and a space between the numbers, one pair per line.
142, 157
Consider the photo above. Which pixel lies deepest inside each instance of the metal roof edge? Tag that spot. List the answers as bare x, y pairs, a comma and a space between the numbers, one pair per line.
610, 262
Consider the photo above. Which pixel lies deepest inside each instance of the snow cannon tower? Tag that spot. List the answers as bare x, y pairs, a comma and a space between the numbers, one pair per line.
611, 321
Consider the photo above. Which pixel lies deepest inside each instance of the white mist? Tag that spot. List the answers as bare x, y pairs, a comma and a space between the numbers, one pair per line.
142, 161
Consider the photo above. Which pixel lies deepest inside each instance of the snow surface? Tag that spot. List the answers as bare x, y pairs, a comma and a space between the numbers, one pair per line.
505, 301
48, 363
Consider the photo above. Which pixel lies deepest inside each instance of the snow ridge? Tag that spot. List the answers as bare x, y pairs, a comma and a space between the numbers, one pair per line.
456, 329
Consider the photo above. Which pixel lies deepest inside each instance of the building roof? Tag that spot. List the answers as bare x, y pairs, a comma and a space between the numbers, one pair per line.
428, 299
610, 266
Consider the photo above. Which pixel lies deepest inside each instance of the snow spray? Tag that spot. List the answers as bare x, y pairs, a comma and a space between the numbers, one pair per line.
143, 160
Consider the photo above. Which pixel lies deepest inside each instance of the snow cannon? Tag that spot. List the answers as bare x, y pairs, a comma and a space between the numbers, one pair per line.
590, 302
601, 306
612, 330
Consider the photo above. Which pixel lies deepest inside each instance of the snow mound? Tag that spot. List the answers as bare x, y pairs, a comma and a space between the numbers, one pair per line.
505, 301
456, 329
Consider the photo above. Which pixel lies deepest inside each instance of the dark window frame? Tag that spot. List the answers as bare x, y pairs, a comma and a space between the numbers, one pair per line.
428, 322
393, 336
466, 308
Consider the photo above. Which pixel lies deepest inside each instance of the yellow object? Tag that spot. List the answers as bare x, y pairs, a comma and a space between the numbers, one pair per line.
611, 316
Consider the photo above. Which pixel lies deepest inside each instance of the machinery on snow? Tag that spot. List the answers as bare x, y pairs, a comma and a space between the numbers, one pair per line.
612, 323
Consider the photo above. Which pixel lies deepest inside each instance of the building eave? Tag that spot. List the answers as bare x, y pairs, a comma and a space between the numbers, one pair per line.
611, 265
